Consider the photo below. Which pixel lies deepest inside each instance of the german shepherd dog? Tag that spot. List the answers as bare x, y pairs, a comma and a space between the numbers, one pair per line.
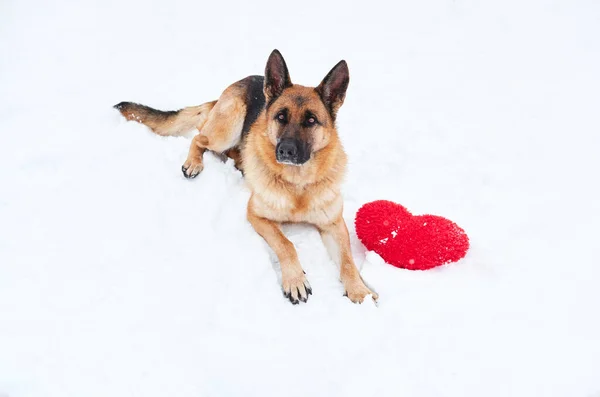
283, 138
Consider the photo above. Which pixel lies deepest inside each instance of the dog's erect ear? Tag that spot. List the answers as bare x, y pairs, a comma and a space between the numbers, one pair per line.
332, 89
277, 77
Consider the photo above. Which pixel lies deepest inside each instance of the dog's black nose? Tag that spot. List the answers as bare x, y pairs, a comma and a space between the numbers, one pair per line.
287, 151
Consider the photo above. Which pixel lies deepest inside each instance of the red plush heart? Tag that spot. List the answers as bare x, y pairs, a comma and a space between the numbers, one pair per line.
408, 241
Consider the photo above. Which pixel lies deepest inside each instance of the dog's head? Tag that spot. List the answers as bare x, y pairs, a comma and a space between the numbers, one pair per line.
301, 120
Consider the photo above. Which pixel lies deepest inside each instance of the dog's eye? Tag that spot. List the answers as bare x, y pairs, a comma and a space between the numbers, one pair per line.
312, 120
281, 117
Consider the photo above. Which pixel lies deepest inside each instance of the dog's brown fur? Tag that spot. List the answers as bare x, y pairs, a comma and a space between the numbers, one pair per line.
247, 126
166, 123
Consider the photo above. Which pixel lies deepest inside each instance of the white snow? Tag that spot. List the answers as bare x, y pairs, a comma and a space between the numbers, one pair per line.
118, 277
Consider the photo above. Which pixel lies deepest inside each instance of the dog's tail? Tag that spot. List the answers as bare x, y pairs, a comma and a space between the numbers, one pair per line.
169, 123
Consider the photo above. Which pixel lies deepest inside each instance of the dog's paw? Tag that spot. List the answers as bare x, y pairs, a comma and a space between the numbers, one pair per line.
296, 289
191, 168
356, 291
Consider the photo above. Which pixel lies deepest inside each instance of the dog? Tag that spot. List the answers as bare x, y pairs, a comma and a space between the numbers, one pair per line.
283, 138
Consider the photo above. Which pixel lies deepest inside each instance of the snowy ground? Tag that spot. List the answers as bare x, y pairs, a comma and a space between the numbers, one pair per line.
120, 278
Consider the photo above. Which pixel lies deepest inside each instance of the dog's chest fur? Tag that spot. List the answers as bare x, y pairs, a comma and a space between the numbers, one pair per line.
310, 193
282, 202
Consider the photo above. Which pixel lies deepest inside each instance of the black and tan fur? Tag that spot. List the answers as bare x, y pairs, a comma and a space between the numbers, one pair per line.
284, 139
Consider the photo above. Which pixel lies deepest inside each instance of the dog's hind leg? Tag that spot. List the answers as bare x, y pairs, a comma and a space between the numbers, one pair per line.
194, 164
221, 132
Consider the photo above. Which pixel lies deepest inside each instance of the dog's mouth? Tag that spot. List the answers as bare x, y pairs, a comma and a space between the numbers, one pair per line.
287, 162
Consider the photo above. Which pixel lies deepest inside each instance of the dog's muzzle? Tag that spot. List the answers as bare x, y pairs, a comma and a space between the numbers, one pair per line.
292, 151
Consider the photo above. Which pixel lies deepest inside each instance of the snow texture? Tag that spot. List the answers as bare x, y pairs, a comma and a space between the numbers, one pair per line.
118, 277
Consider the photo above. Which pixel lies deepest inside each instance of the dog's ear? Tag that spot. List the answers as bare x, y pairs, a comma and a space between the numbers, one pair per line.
277, 77
332, 89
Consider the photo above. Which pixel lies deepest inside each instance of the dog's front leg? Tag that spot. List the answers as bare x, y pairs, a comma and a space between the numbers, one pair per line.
336, 239
295, 285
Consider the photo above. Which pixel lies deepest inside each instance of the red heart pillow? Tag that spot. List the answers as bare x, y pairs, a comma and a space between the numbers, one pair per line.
408, 241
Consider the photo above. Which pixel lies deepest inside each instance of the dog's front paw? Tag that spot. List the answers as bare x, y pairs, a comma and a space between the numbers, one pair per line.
296, 288
191, 168
356, 291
